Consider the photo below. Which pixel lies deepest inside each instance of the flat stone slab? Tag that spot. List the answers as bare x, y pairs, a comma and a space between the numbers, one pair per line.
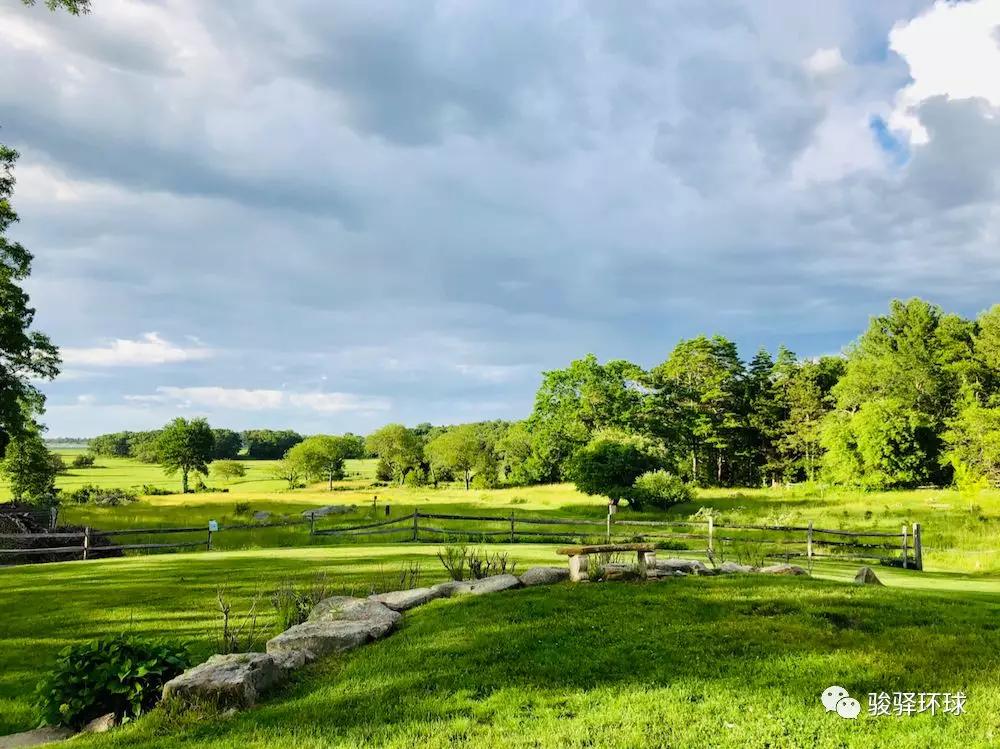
261, 515
867, 576
494, 584
544, 576
783, 569
234, 680
690, 566
38, 736
729, 568
313, 640
452, 588
403, 600
379, 619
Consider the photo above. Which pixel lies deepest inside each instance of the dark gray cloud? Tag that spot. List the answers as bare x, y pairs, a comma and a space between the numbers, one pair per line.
373, 211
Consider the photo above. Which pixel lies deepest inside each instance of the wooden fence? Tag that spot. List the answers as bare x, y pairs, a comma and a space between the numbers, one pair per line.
718, 540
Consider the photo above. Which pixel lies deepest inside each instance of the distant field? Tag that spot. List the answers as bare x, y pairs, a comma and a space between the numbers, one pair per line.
961, 531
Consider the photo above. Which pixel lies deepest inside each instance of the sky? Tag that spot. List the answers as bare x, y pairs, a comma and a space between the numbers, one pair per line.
328, 216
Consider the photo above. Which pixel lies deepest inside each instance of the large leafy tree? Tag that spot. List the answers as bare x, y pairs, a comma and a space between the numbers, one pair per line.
25, 354
29, 469
398, 448
322, 457
899, 389
185, 447
462, 450
697, 401
610, 463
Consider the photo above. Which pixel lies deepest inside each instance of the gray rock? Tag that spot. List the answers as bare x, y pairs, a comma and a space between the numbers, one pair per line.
44, 735
101, 724
452, 588
867, 576
288, 660
379, 619
691, 566
261, 515
729, 568
225, 680
494, 584
402, 600
313, 640
783, 569
544, 576
329, 510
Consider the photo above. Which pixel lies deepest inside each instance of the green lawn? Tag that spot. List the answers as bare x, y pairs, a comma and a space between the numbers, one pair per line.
961, 531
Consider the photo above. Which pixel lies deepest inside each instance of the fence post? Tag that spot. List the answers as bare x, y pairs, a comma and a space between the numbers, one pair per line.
416, 524
312, 523
512, 527
208, 544
918, 548
809, 541
86, 542
711, 534
53, 514
904, 548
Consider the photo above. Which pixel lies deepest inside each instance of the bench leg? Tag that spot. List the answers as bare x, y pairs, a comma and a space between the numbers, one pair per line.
646, 560
578, 567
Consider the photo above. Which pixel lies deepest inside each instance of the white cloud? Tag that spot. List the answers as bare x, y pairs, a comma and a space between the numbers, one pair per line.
150, 349
953, 50
825, 61
242, 399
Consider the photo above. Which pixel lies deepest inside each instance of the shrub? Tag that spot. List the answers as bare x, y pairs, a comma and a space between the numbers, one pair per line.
453, 559
658, 489
155, 491
228, 469
238, 633
243, 508
483, 564
83, 461
90, 494
292, 604
123, 675
407, 578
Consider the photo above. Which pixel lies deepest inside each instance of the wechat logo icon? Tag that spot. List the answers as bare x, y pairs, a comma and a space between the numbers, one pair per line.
837, 699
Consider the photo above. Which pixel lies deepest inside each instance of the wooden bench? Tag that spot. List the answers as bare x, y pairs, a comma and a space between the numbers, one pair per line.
578, 555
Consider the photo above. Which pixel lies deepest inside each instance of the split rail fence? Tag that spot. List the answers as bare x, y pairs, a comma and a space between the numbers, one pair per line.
719, 540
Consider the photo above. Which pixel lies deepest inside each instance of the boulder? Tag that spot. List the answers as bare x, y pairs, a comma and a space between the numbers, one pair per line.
313, 640
261, 515
690, 566
783, 569
43, 735
379, 619
288, 660
494, 584
225, 680
452, 588
402, 600
100, 725
729, 568
867, 576
544, 576
328, 510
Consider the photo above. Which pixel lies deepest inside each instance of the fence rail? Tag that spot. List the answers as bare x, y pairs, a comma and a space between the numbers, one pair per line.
904, 547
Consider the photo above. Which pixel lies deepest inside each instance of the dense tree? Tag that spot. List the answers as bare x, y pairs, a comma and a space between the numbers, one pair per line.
268, 444
459, 450
697, 402
227, 444
228, 469
25, 354
610, 463
185, 446
321, 457
114, 445
29, 469
400, 449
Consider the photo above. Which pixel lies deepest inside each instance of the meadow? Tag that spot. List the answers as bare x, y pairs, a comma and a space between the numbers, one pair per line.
687, 662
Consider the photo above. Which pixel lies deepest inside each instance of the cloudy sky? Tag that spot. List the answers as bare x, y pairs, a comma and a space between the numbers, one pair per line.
330, 215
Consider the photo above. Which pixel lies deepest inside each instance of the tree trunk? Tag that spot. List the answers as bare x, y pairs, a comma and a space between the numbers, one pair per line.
694, 465
330, 485
184, 481
718, 469
466, 480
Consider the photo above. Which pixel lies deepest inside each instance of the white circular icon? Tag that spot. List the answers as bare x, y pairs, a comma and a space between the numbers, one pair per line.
848, 707
832, 695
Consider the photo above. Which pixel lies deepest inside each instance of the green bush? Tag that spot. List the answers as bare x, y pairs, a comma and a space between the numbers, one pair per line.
123, 675
90, 494
156, 491
658, 489
83, 461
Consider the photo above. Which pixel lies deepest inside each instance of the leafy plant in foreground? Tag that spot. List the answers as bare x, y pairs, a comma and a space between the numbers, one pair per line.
123, 675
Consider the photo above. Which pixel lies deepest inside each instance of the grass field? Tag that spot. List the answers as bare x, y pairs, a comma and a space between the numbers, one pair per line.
687, 662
